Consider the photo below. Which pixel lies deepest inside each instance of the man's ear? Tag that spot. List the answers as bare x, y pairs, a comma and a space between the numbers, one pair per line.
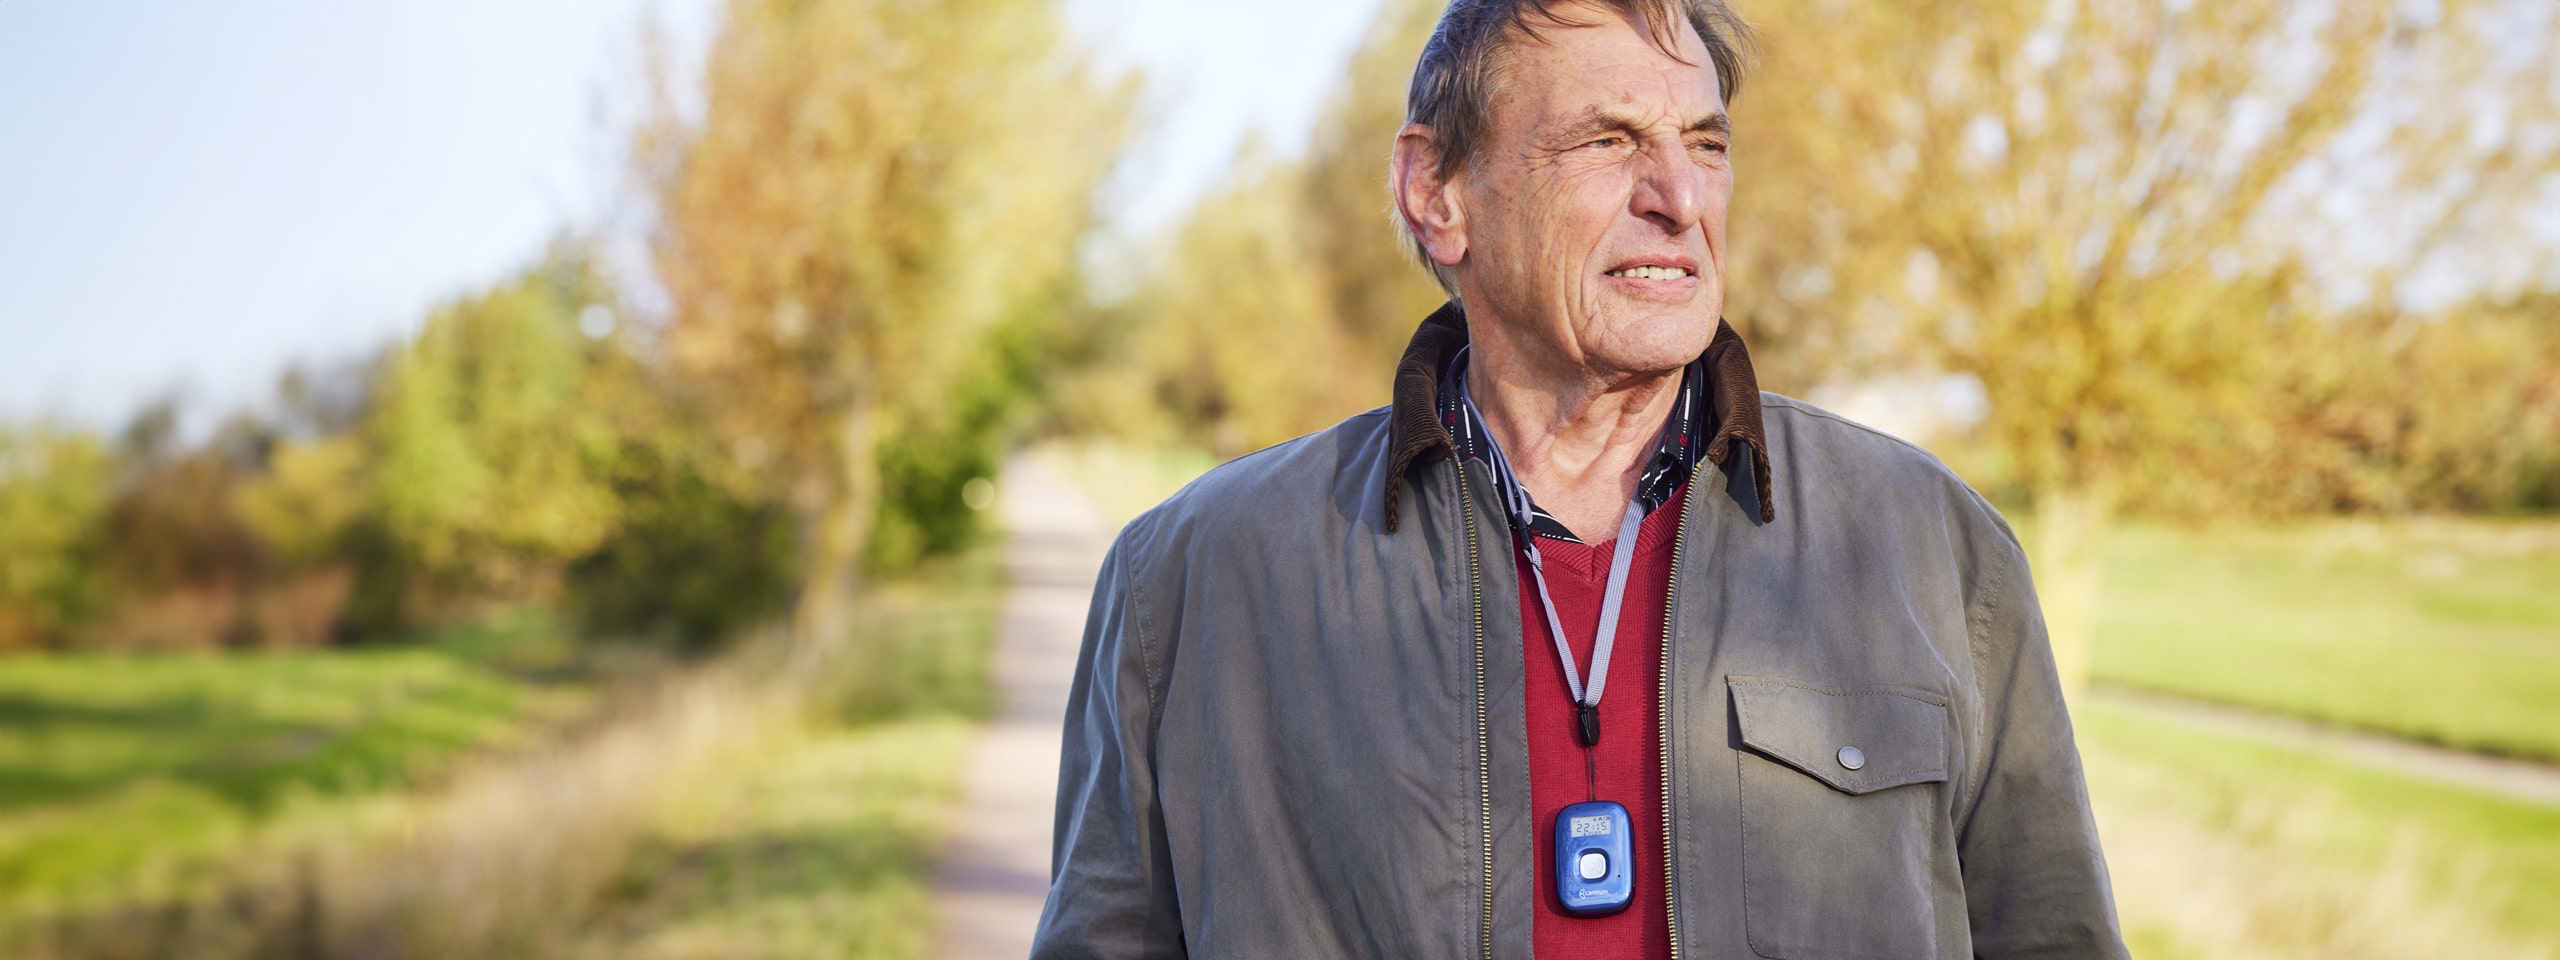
1428, 204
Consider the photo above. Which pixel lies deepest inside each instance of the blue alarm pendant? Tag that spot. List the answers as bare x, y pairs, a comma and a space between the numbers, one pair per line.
1595, 858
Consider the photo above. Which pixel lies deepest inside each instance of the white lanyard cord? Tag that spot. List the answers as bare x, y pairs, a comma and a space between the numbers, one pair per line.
1619, 560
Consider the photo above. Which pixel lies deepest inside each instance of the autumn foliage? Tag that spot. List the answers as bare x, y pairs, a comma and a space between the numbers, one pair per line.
2191, 260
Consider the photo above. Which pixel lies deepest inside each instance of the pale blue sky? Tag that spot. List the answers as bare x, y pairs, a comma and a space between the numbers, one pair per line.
193, 195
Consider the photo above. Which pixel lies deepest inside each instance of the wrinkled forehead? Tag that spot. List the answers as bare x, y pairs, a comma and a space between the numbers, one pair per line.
1590, 57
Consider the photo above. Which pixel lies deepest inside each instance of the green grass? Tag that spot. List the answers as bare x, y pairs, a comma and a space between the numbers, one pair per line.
116, 767
922, 641
823, 846
2224, 846
2442, 631
825, 849
767, 801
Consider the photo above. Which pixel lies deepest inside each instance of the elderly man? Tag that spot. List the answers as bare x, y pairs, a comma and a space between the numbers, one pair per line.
1583, 647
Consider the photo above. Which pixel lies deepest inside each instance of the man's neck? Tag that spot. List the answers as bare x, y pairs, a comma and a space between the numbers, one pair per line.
1577, 441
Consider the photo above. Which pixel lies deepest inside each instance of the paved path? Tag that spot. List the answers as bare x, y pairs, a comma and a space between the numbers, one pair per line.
2520, 779
995, 870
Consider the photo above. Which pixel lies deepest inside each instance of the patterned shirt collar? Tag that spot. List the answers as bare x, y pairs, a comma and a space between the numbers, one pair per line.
1675, 456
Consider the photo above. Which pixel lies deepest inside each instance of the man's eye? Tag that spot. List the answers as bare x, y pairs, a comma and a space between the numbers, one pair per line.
1708, 146
1606, 142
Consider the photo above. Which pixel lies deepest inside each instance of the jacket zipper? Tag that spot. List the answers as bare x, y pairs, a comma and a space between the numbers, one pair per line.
1670, 599
1484, 760
1484, 757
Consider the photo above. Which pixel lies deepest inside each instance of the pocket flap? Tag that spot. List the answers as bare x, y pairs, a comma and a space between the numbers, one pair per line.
1857, 739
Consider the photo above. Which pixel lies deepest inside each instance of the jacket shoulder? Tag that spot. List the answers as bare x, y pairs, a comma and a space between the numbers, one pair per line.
1333, 476
1822, 456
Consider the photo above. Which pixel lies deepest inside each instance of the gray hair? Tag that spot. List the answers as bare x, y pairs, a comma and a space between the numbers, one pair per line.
1453, 83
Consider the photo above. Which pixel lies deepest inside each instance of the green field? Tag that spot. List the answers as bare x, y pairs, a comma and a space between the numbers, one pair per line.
2227, 847
123, 770
2442, 631
772, 801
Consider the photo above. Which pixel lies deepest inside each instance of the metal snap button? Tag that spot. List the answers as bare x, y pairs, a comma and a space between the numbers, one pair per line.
1852, 757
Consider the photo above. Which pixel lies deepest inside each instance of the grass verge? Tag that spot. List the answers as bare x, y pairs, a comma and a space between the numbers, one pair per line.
825, 849
2441, 631
640, 835
2226, 847
124, 774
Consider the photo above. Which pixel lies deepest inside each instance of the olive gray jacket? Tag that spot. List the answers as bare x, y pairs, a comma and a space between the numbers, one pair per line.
1296, 727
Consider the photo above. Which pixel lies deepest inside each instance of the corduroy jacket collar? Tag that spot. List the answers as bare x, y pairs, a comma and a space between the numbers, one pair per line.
1415, 435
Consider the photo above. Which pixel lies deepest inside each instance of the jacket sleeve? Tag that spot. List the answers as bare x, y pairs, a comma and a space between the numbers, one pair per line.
1111, 892
2035, 882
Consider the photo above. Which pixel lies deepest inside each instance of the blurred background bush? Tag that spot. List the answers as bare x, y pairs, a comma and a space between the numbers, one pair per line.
637, 601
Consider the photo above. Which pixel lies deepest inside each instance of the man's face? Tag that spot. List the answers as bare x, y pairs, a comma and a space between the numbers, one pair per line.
1595, 214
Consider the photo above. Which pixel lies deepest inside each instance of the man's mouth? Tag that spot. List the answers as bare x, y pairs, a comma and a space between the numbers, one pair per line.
1651, 273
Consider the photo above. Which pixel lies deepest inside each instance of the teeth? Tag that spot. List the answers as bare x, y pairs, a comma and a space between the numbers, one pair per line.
1651, 273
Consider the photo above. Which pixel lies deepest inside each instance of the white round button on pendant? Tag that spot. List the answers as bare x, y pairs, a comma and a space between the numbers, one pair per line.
1593, 865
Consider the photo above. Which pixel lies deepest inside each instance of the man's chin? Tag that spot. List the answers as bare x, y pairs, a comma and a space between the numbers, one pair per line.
1656, 342
1699, 305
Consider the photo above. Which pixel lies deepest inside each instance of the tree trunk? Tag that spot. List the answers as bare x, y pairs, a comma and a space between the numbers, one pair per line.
834, 532
2070, 532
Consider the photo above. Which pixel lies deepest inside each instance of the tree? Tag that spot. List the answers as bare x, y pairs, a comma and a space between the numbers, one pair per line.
2127, 221
1376, 289
54, 491
485, 467
869, 187
1333, 296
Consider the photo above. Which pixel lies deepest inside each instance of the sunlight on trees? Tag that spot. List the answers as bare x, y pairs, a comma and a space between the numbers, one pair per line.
870, 188
1279, 305
486, 459
2137, 226
2178, 247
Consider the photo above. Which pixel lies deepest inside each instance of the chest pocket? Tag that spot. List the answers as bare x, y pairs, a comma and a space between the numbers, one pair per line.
1844, 836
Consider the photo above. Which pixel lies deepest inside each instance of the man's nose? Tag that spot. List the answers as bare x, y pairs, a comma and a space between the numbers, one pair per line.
1669, 190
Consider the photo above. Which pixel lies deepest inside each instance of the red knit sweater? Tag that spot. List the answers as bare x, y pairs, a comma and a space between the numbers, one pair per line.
1630, 752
